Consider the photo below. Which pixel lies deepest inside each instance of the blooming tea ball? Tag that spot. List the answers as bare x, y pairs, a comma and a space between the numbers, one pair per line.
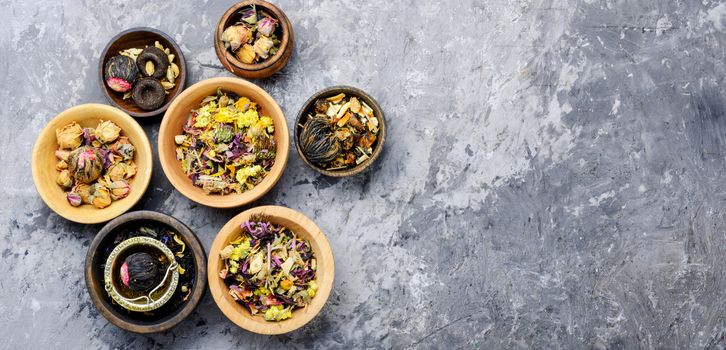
140, 272
85, 164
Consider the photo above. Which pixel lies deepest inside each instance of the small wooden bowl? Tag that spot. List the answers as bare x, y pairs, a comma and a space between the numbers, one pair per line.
308, 106
175, 118
140, 38
325, 274
267, 67
134, 321
44, 161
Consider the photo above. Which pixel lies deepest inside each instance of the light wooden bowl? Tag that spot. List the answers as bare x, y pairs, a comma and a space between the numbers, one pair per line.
140, 38
175, 118
309, 105
44, 161
267, 67
325, 274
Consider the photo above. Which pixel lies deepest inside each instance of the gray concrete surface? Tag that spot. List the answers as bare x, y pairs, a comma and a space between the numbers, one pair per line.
553, 176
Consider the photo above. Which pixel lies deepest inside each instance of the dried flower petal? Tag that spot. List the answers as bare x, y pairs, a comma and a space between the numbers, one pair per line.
69, 136
61, 165
250, 15
83, 190
62, 155
107, 131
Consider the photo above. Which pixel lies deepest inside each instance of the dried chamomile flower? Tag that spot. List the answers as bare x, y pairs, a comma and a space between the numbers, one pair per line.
100, 196
119, 189
246, 54
64, 179
85, 164
107, 131
69, 136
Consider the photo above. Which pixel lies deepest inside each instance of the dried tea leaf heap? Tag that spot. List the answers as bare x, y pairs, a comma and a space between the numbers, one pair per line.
339, 133
227, 145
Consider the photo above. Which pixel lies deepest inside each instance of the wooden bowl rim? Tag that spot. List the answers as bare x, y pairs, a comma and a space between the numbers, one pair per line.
244, 319
234, 200
348, 90
141, 179
200, 260
176, 50
229, 60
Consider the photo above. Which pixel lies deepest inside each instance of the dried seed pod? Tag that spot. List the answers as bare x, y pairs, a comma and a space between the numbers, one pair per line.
318, 142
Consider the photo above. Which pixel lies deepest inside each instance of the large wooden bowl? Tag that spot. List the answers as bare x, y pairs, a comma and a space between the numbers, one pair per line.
325, 275
140, 38
175, 118
309, 106
265, 68
135, 321
44, 161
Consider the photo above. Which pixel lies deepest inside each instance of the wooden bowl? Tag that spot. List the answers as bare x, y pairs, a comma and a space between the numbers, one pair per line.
134, 321
175, 118
44, 161
265, 68
325, 274
141, 37
309, 105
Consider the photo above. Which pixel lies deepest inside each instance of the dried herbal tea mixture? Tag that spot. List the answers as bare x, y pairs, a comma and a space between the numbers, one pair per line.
145, 75
183, 255
253, 38
227, 146
269, 269
339, 133
94, 164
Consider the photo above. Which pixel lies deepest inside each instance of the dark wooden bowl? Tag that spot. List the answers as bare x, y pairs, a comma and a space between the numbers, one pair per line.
265, 68
139, 38
308, 106
141, 322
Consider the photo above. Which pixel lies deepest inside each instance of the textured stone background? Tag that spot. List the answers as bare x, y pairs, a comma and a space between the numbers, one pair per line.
552, 177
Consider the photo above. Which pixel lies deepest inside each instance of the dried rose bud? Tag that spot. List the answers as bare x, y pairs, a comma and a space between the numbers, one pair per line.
100, 196
246, 54
123, 148
234, 36
119, 189
117, 171
74, 199
61, 165
83, 190
263, 46
267, 26
62, 155
107, 131
250, 16
64, 179
70, 136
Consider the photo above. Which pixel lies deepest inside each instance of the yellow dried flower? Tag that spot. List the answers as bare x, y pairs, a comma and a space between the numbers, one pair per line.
107, 131
69, 136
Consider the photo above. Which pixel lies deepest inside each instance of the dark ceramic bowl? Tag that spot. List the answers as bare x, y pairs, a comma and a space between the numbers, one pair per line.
163, 318
308, 107
140, 38
267, 67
